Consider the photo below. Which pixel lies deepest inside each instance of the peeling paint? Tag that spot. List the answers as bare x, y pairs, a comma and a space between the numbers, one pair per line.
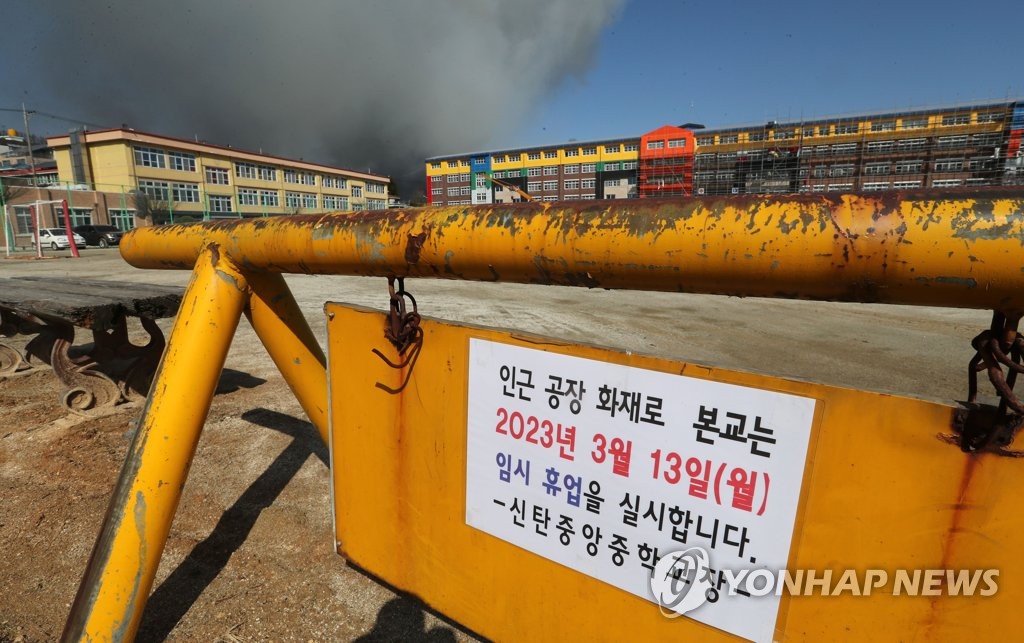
967, 282
368, 245
965, 229
121, 630
414, 247
322, 233
228, 278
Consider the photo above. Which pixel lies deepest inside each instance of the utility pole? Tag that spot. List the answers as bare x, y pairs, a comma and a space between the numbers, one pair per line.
31, 156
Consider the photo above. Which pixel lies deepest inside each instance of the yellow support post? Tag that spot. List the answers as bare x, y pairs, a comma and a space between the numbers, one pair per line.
918, 248
280, 325
124, 561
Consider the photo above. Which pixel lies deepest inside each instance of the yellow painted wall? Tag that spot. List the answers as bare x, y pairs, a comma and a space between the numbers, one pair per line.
111, 164
621, 155
63, 158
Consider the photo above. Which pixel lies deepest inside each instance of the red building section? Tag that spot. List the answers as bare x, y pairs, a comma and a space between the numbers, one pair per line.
666, 163
1014, 143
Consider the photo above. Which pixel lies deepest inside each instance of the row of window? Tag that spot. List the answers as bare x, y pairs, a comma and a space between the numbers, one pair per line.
185, 162
611, 183
245, 170
270, 198
672, 142
452, 178
299, 200
305, 178
189, 193
550, 170
873, 147
890, 125
873, 186
161, 190
910, 167
157, 158
869, 187
537, 186
566, 197
873, 169
569, 184
537, 155
624, 165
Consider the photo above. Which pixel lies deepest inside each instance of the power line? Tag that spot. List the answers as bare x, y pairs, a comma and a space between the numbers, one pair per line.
54, 117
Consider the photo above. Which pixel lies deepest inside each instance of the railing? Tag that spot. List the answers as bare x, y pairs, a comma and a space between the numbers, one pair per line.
896, 248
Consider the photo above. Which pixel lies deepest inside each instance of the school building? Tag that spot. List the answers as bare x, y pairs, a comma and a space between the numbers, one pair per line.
128, 178
942, 147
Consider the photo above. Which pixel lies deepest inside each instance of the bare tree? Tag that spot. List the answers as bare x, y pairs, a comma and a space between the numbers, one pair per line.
11, 191
154, 211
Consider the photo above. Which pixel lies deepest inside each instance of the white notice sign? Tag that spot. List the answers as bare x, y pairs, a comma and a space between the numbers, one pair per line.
606, 468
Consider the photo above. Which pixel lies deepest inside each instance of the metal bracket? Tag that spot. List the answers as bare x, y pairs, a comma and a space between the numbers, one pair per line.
96, 377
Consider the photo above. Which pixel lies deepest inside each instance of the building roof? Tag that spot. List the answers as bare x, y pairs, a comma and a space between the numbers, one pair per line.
24, 171
126, 133
44, 166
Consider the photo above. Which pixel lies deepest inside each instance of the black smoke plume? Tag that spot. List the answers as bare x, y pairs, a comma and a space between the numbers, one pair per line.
365, 84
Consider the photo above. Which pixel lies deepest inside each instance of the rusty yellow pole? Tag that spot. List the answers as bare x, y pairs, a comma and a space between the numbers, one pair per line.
927, 248
124, 561
281, 326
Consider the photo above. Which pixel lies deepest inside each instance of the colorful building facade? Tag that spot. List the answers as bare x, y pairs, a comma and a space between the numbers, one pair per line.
944, 147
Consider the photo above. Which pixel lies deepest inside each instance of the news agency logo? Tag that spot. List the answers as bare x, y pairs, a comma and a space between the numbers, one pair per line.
684, 580
681, 581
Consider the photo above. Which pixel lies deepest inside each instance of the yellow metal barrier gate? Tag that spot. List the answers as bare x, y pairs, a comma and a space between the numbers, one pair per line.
859, 483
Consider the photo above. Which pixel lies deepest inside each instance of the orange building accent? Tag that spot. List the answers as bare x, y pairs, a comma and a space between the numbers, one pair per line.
666, 163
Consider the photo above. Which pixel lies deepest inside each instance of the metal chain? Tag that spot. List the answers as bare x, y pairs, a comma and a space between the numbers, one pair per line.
402, 330
1001, 345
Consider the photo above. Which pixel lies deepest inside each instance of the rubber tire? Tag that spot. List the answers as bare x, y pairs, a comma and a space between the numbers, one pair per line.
103, 242
53, 245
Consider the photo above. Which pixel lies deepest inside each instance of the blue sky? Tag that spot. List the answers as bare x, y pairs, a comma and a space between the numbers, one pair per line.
731, 63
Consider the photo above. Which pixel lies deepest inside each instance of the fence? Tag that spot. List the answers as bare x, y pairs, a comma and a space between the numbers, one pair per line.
897, 248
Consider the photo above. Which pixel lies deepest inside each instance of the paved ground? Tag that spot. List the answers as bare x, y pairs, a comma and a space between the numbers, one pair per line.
250, 555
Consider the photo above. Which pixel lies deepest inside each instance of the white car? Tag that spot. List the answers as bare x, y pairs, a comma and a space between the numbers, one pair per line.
57, 238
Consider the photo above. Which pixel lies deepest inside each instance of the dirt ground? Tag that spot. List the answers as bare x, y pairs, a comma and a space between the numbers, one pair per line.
250, 554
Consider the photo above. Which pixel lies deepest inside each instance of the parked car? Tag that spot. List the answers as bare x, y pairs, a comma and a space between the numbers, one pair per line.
99, 235
57, 239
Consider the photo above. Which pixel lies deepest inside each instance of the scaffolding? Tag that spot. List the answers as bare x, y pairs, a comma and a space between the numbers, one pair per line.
971, 146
